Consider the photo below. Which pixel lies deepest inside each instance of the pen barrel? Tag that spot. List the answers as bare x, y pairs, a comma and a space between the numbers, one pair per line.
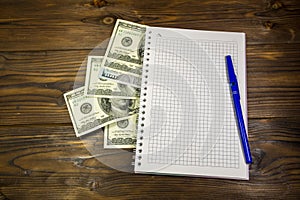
242, 128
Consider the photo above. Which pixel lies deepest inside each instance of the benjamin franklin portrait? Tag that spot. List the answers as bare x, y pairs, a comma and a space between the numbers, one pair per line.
117, 107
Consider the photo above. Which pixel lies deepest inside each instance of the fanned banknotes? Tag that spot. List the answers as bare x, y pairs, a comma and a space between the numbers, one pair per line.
111, 93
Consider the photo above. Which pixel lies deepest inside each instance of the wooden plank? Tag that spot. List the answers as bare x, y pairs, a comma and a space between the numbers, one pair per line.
57, 25
154, 187
47, 159
42, 149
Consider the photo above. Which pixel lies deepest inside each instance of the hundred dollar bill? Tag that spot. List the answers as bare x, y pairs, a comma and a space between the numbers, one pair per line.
121, 77
126, 46
127, 42
98, 87
121, 134
89, 114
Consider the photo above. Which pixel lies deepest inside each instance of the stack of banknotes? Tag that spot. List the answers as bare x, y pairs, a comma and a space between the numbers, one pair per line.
110, 97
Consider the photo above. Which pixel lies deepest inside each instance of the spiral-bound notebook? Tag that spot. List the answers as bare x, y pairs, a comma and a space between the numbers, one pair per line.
187, 124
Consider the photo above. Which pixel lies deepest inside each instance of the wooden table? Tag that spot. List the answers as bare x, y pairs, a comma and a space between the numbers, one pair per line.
42, 45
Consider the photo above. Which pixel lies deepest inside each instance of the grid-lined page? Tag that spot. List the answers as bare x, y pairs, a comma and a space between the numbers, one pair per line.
187, 123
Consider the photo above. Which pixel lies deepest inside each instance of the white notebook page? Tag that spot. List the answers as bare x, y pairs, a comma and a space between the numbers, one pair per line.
187, 123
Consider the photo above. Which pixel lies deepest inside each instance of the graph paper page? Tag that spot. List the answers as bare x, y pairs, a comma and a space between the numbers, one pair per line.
187, 123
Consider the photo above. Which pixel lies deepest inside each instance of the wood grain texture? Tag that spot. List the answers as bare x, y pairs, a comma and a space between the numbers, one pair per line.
61, 24
43, 45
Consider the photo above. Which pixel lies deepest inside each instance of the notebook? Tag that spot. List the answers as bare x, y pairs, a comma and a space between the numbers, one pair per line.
187, 123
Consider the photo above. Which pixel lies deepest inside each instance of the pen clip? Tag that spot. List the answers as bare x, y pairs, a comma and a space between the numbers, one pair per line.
232, 77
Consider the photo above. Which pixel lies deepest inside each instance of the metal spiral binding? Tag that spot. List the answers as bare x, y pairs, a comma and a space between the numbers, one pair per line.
139, 145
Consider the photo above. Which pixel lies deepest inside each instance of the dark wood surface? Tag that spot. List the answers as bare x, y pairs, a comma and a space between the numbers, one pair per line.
42, 45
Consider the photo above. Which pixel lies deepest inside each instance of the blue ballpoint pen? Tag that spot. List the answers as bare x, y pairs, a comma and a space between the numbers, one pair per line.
238, 110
